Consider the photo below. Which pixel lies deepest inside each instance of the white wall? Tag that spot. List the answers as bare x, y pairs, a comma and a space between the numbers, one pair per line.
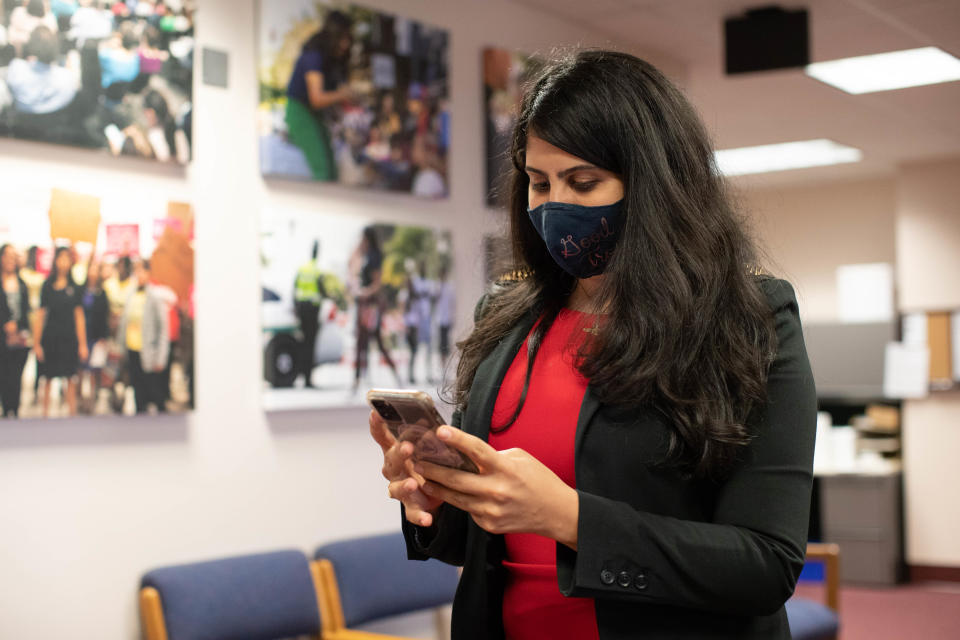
810, 231
928, 274
931, 440
928, 236
87, 506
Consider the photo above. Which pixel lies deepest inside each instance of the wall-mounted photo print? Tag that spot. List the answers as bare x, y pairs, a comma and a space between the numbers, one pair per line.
96, 310
505, 73
115, 75
349, 304
353, 96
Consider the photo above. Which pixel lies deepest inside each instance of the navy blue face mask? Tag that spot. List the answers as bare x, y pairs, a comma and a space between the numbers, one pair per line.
580, 239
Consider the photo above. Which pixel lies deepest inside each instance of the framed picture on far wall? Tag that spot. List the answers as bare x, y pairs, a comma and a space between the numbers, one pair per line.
352, 303
505, 73
97, 309
115, 75
353, 96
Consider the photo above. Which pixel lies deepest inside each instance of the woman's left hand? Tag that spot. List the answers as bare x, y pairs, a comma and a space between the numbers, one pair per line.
512, 493
82, 351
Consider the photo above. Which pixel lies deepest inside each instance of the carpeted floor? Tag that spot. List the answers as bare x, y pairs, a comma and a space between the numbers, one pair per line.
922, 611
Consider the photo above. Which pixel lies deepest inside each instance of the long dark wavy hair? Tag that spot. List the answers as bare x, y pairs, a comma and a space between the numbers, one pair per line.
687, 329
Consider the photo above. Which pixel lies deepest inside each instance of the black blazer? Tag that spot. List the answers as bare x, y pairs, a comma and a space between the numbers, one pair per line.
663, 556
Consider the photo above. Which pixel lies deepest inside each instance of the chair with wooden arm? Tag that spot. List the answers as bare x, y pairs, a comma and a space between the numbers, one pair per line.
370, 578
811, 620
252, 597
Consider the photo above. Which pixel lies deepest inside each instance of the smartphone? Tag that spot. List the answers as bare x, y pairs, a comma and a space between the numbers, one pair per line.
411, 417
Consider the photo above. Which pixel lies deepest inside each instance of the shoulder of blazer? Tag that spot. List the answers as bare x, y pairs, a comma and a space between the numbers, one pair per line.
779, 293
498, 286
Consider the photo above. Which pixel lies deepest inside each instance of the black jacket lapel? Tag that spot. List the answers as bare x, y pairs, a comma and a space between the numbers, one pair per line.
588, 408
489, 376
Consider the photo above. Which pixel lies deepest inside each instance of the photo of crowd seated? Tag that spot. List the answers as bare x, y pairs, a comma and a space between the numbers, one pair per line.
95, 328
353, 96
103, 74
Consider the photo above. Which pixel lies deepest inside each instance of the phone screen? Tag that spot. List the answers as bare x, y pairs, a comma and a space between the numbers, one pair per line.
411, 417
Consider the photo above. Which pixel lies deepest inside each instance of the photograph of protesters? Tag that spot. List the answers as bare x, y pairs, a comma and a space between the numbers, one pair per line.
109, 330
367, 308
15, 323
104, 74
353, 96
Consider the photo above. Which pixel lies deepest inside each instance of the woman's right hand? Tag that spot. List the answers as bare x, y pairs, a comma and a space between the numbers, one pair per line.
405, 483
38, 350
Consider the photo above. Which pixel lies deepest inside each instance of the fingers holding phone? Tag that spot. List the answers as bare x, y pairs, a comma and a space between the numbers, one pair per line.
397, 463
392, 460
405, 483
419, 508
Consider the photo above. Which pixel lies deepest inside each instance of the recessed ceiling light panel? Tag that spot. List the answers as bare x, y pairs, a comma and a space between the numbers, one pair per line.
784, 156
886, 71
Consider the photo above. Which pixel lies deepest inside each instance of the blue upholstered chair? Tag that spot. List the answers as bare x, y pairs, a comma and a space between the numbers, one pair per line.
253, 597
368, 579
810, 620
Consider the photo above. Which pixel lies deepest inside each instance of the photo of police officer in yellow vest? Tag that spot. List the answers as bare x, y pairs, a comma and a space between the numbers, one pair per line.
308, 293
355, 317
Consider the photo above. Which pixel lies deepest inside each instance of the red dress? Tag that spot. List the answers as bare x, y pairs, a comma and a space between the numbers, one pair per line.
533, 606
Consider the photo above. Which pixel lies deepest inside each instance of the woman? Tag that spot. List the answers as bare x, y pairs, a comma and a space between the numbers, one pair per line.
639, 402
417, 314
161, 127
15, 325
317, 83
368, 260
96, 314
61, 335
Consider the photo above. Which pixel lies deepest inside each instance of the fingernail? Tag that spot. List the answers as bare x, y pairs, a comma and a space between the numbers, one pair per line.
443, 433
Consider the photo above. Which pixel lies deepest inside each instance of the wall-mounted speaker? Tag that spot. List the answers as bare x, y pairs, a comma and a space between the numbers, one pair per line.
767, 38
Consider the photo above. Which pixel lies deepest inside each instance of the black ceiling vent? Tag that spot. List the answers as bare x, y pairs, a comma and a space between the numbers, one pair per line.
767, 38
